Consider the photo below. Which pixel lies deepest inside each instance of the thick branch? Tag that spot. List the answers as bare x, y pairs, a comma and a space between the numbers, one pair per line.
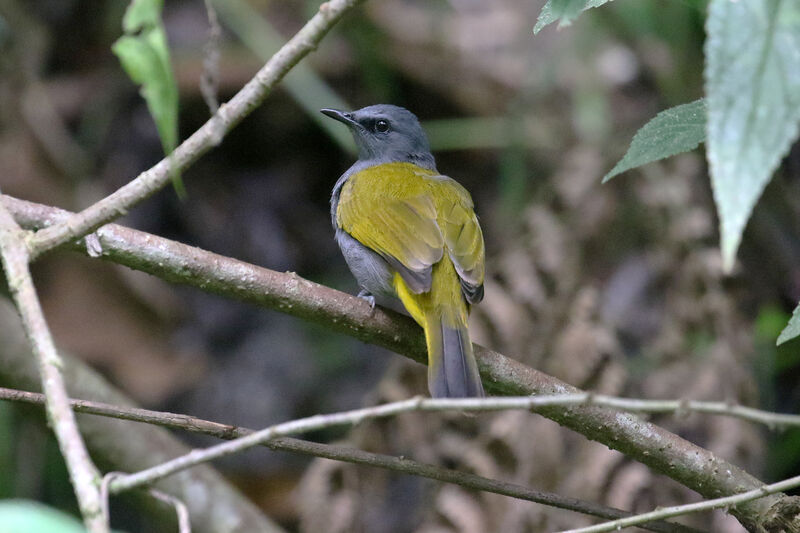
652, 445
341, 453
209, 135
84, 475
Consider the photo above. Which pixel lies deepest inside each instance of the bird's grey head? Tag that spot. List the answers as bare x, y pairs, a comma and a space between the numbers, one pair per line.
386, 133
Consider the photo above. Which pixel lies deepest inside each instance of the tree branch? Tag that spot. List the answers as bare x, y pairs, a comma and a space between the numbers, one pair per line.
209, 135
215, 506
678, 510
690, 465
181, 511
774, 421
83, 474
326, 421
341, 453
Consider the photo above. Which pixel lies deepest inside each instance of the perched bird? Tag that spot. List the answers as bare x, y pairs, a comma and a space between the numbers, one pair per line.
407, 231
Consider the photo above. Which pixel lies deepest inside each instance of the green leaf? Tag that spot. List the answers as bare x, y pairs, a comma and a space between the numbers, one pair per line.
753, 92
32, 517
792, 329
142, 14
678, 129
565, 11
144, 54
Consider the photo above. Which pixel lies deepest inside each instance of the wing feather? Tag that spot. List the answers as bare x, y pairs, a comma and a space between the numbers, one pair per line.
399, 223
410, 216
463, 238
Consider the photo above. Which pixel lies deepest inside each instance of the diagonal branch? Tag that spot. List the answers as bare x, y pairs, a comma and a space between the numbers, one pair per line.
665, 452
341, 453
707, 505
83, 474
202, 140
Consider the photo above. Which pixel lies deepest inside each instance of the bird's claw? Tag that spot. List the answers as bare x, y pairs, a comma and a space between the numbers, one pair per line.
369, 298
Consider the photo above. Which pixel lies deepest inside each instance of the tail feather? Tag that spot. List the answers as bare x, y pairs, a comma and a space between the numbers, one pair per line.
452, 370
443, 312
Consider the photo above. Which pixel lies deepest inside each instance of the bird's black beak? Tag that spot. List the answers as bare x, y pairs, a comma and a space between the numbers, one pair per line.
341, 116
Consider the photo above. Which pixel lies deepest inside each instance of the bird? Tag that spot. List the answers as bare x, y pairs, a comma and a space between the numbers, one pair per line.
406, 231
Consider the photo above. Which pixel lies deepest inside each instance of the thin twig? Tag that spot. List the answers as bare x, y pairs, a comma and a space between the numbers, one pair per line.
318, 422
229, 114
83, 474
105, 494
306, 86
182, 512
130, 449
338, 453
678, 510
677, 407
665, 452
301, 425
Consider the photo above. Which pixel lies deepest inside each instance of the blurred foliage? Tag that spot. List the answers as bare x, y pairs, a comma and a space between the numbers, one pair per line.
303, 83
792, 329
563, 11
144, 54
32, 517
775, 364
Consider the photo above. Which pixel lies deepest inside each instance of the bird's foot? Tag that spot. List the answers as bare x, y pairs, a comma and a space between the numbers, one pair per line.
369, 298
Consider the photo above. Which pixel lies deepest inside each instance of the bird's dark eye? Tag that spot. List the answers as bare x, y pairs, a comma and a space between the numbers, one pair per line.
382, 126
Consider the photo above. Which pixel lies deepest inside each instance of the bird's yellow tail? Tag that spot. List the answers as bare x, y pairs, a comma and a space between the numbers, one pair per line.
452, 371
442, 312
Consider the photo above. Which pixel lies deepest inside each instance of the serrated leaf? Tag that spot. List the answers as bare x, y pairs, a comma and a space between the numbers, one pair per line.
792, 329
564, 11
673, 131
32, 517
144, 55
753, 92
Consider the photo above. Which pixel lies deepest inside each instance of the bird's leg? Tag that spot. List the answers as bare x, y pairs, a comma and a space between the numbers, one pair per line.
368, 297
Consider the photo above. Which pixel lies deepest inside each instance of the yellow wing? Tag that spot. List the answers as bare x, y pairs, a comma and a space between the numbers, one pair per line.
462, 235
389, 209
409, 215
